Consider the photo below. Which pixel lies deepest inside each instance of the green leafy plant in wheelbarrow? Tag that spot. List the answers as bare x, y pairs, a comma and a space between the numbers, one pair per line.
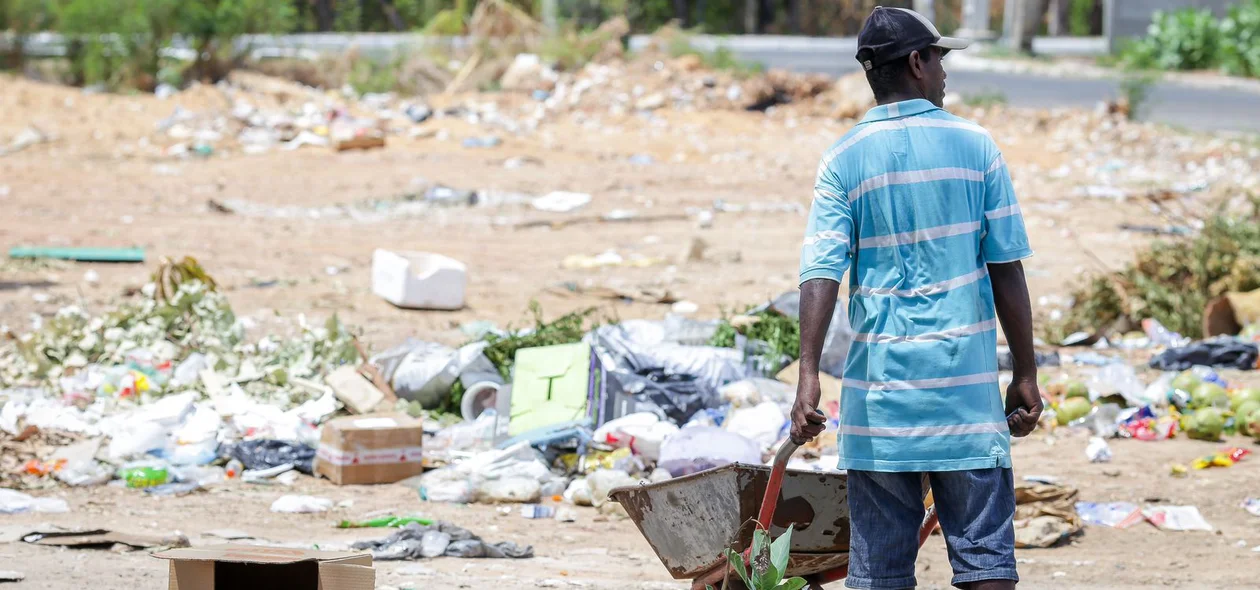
769, 561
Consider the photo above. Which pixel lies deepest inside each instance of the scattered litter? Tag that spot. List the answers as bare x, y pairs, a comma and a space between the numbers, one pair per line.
301, 504
419, 280
1098, 451
1252, 505
1176, 518
14, 502
261, 455
102, 539
228, 534
561, 202
79, 254
488, 141
386, 521
416, 541
1118, 515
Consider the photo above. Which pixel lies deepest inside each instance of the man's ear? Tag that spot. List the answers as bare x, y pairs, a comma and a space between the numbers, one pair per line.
916, 64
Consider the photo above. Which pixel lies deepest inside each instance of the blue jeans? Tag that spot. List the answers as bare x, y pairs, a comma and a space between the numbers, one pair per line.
977, 511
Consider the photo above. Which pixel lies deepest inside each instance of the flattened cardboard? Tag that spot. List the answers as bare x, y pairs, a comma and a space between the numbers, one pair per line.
370, 449
102, 538
225, 567
355, 391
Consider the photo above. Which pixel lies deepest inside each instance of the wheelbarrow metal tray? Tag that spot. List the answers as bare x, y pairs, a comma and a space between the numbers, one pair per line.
691, 520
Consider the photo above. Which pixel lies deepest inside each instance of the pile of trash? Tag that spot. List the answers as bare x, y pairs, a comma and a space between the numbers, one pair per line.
162, 385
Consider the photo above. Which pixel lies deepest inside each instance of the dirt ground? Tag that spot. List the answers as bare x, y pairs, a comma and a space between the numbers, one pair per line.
99, 184
611, 555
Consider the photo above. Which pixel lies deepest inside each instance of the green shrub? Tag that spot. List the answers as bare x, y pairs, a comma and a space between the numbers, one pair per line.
1136, 90
1187, 39
1240, 40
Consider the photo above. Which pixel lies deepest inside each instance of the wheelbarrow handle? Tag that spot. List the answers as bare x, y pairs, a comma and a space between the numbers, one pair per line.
768, 502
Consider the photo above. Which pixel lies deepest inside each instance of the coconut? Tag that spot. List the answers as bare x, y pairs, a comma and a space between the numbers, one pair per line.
1206, 424
1077, 389
1242, 416
1186, 381
1242, 396
1209, 395
1072, 408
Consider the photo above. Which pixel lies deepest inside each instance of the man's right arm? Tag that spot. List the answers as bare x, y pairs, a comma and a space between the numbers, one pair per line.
818, 302
825, 257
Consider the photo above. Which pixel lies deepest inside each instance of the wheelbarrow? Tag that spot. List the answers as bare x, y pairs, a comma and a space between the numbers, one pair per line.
691, 521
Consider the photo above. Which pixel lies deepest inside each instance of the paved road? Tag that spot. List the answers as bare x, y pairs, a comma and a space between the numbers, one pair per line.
1173, 103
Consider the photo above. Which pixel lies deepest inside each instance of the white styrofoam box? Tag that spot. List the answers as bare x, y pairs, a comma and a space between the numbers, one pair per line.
419, 280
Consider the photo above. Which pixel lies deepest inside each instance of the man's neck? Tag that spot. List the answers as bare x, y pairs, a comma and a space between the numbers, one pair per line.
898, 97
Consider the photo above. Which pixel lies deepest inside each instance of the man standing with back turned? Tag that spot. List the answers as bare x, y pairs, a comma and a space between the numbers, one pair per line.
917, 205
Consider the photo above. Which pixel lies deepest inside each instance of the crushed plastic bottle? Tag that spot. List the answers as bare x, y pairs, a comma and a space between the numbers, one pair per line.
387, 521
144, 477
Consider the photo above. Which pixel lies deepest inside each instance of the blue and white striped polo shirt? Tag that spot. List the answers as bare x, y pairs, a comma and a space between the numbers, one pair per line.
917, 201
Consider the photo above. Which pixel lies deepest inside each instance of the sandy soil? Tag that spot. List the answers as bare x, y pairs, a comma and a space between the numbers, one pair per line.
98, 185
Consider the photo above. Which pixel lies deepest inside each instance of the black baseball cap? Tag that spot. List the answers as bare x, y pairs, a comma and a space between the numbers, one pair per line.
893, 33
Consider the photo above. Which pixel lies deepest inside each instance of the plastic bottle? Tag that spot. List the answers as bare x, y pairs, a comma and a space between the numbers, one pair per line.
145, 477
234, 469
387, 521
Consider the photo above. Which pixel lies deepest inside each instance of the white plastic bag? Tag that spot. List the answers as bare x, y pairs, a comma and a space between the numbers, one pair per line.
446, 485
761, 423
15, 502
703, 447
605, 480
578, 493
643, 432
294, 504
509, 489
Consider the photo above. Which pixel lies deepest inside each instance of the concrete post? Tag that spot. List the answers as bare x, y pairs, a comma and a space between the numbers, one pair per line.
975, 20
549, 15
926, 8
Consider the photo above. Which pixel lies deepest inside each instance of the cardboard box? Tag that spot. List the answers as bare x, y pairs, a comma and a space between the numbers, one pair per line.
372, 448
230, 567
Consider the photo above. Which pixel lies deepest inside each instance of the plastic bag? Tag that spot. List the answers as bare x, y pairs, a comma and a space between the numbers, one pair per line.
702, 447
265, 454
509, 490
14, 502
839, 336
425, 371
643, 432
1119, 379
605, 480
750, 392
137, 440
434, 543
578, 493
446, 485
463, 437
761, 424
672, 380
294, 504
